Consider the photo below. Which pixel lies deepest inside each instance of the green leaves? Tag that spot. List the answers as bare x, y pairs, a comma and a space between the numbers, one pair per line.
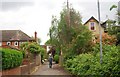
56, 58
115, 30
33, 48
62, 31
89, 63
11, 58
113, 6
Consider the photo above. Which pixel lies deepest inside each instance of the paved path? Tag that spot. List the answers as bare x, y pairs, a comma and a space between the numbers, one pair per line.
55, 70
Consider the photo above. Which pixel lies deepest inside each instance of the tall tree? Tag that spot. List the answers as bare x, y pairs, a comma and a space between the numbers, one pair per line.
67, 32
61, 29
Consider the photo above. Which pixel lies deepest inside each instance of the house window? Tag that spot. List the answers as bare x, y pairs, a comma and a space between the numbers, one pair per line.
16, 43
92, 26
8, 43
0, 43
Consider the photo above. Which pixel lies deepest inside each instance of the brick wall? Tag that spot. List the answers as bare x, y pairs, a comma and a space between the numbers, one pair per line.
15, 71
21, 70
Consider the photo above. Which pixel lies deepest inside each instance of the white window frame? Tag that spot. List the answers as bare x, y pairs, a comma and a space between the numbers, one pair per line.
16, 43
90, 26
8, 43
0, 43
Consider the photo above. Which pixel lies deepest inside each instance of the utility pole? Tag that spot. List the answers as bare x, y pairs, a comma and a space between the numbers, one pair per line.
68, 11
68, 22
100, 32
118, 13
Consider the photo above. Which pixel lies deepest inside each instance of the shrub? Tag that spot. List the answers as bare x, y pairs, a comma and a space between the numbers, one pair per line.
11, 58
34, 48
89, 63
42, 50
106, 39
56, 58
23, 48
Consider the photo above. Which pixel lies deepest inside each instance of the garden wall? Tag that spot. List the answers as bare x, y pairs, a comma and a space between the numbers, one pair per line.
21, 70
14, 71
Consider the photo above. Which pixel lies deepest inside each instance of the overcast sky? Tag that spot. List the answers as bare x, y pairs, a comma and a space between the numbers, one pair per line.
35, 15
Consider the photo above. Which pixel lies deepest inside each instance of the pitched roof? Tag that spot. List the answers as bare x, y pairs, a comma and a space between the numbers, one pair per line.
104, 24
90, 19
14, 35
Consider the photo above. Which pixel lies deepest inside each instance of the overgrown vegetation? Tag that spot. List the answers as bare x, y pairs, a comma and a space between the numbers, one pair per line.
11, 58
82, 56
56, 58
68, 34
89, 63
32, 49
114, 29
106, 39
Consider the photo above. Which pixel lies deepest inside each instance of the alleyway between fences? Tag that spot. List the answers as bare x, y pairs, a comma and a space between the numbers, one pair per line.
55, 70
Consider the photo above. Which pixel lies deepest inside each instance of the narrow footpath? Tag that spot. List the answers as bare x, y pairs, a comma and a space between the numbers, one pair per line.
56, 70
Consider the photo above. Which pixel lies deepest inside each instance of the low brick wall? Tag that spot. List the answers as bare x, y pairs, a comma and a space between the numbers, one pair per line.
21, 70
0, 73
32, 67
25, 70
14, 71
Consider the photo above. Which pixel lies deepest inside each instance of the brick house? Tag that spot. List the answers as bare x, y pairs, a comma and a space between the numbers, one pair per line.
13, 38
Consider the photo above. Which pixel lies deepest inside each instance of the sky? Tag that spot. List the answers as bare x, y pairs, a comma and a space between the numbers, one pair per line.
35, 15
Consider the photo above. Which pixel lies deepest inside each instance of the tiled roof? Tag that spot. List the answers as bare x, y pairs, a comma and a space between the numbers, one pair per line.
14, 35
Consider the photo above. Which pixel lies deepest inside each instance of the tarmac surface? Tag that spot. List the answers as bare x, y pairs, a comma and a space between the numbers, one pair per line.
56, 70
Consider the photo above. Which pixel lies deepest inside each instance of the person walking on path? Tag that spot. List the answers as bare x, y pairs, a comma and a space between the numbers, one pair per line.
51, 53
50, 60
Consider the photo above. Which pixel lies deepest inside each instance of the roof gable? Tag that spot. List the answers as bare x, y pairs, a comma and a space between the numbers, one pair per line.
14, 35
90, 19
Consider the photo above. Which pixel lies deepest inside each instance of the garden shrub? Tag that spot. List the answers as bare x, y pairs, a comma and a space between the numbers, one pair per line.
34, 48
42, 50
89, 63
23, 48
11, 58
106, 39
56, 58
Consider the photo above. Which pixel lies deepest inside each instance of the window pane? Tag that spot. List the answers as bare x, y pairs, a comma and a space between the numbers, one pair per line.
92, 26
16, 43
8, 43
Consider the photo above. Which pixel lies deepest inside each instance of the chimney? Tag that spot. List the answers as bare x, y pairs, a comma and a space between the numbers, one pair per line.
35, 36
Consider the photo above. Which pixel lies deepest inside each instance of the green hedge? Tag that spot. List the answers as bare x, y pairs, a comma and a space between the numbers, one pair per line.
89, 63
11, 58
56, 58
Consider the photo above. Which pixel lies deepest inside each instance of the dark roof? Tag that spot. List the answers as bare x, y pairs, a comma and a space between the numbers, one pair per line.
14, 35
104, 24
91, 18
